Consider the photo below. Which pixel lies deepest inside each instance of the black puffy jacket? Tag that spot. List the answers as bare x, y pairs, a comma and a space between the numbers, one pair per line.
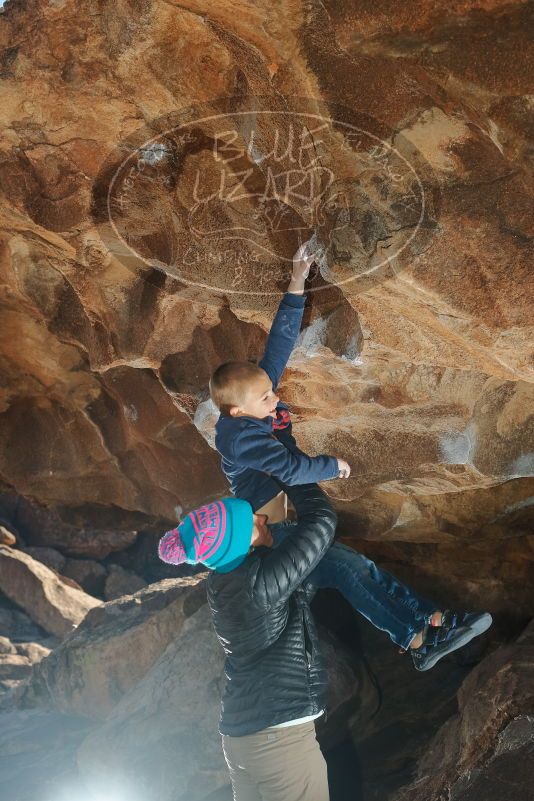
262, 618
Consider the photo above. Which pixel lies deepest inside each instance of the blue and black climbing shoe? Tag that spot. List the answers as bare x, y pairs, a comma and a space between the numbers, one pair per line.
457, 629
477, 621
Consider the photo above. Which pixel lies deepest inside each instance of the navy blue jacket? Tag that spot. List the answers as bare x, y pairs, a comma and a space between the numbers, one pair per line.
253, 455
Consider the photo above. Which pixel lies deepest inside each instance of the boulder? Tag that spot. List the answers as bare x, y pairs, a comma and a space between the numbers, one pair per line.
114, 647
7, 537
121, 582
9, 687
54, 560
14, 667
69, 582
52, 604
92, 543
88, 573
43, 527
37, 754
40, 526
169, 746
48, 556
485, 752
33, 651
6, 646
17, 625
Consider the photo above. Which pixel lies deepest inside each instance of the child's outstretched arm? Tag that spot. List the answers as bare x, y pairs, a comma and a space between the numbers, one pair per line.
286, 324
270, 456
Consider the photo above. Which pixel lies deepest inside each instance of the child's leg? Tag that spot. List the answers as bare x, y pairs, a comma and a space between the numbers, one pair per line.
376, 594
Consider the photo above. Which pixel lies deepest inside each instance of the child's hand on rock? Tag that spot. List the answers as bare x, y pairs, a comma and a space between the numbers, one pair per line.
302, 262
344, 468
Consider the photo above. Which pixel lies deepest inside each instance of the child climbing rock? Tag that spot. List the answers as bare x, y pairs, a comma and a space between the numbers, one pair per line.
254, 438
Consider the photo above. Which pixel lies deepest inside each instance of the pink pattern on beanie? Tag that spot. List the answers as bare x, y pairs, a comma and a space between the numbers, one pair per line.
197, 538
171, 549
209, 522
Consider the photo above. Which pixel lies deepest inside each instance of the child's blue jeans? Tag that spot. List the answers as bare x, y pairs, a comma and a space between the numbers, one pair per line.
376, 594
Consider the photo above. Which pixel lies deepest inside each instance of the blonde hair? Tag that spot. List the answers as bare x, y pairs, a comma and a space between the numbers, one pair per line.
229, 383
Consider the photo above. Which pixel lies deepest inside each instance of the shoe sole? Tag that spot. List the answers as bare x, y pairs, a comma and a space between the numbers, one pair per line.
479, 626
481, 623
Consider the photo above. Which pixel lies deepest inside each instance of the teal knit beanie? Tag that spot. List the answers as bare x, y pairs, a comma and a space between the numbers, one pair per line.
217, 535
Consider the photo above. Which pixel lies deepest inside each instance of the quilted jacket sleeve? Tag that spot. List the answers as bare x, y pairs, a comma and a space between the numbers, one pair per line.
284, 568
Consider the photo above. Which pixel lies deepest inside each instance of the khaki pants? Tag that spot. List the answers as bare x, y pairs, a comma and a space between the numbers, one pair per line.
277, 765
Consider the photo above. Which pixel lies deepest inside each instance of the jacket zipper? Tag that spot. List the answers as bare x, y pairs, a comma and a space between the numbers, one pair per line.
307, 640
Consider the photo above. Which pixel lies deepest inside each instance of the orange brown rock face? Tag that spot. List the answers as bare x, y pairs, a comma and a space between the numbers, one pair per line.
400, 137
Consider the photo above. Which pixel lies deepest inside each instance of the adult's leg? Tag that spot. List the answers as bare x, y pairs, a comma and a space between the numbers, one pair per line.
378, 595
244, 786
280, 764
